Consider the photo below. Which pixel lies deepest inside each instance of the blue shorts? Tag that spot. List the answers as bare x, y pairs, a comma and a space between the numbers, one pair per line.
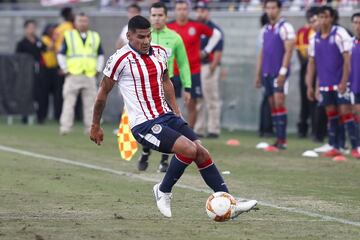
355, 98
195, 91
161, 133
270, 86
328, 98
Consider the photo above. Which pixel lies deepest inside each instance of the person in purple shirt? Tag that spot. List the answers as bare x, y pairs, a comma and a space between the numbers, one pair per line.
329, 56
355, 61
273, 68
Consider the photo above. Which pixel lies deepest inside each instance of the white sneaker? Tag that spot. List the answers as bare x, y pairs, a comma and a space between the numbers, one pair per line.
162, 200
324, 148
244, 206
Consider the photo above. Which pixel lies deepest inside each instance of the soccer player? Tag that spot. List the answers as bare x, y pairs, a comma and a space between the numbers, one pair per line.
273, 67
190, 32
140, 70
355, 62
329, 56
174, 46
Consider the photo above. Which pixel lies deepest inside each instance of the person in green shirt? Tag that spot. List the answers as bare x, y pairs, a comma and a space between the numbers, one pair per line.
175, 48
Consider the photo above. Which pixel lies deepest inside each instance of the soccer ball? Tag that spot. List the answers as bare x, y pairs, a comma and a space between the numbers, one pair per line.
220, 206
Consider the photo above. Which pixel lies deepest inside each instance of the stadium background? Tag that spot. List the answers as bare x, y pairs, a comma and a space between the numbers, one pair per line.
241, 101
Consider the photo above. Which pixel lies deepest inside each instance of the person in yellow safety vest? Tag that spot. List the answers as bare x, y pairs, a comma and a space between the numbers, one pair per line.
80, 58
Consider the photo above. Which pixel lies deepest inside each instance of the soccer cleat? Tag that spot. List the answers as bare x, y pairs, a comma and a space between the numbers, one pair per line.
163, 166
281, 145
143, 161
243, 206
355, 153
325, 148
332, 153
162, 200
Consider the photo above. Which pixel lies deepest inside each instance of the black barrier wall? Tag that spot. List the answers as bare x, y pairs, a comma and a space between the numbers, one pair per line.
16, 84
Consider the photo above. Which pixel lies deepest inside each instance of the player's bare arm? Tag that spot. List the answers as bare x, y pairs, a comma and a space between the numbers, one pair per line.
310, 73
346, 70
170, 94
258, 70
289, 46
96, 132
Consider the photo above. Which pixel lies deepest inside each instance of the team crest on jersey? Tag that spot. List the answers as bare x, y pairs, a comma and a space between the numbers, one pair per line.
156, 129
192, 31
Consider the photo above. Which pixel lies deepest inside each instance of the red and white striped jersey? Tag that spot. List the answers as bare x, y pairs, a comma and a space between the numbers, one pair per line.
139, 78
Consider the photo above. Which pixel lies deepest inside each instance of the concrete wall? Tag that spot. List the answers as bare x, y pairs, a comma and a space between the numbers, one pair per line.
240, 108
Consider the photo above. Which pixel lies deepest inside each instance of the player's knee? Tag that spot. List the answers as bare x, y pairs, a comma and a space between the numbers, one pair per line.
202, 154
190, 149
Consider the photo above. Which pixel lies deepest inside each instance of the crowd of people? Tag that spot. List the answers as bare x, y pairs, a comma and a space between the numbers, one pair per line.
69, 56
328, 77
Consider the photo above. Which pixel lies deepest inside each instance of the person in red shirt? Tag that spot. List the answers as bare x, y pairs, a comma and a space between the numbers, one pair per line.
191, 32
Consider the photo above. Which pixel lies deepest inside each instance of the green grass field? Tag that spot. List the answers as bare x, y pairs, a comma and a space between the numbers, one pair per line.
44, 199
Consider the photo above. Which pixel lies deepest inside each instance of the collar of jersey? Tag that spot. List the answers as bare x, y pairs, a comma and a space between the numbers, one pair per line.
149, 53
165, 29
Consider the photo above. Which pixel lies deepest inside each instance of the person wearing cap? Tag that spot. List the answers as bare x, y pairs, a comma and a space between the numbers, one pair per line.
210, 76
191, 32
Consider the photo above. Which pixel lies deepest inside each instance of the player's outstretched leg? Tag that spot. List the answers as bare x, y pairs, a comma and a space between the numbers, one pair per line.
186, 152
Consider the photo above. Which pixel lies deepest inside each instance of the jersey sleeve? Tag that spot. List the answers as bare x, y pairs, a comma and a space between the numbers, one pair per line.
204, 29
287, 32
183, 63
114, 66
343, 40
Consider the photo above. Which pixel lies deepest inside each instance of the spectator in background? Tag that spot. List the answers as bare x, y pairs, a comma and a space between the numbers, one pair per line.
355, 63
132, 11
80, 71
32, 45
302, 42
265, 124
273, 68
190, 32
51, 83
68, 24
209, 110
329, 56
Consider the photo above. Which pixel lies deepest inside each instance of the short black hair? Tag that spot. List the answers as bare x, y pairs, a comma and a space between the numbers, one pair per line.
355, 15
66, 13
28, 22
181, 2
264, 19
134, 5
138, 22
278, 2
81, 14
159, 5
325, 8
311, 12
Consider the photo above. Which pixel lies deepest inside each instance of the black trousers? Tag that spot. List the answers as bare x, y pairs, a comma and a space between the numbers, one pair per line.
49, 83
265, 125
310, 110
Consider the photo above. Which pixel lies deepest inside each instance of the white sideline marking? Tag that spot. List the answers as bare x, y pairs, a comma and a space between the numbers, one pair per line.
148, 179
